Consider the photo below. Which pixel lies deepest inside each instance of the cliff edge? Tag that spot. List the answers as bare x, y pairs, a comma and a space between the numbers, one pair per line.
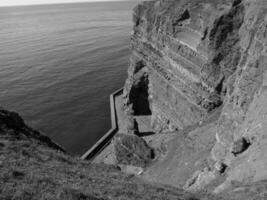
198, 75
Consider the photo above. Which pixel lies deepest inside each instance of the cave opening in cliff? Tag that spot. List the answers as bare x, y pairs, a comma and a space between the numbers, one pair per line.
140, 97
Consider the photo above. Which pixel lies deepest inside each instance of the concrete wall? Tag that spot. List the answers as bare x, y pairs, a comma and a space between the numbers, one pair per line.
106, 139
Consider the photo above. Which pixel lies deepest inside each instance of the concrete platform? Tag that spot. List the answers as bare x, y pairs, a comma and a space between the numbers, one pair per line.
107, 155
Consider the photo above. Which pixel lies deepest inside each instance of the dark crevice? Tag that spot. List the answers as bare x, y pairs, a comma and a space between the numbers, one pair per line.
138, 66
140, 98
137, 22
179, 21
143, 134
219, 87
192, 181
152, 155
185, 15
223, 168
240, 146
205, 34
18, 174
237, 2
218, 58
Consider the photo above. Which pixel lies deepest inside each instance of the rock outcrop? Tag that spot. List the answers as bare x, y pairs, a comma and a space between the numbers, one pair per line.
174, 74
191, 57
132, 150
13, 122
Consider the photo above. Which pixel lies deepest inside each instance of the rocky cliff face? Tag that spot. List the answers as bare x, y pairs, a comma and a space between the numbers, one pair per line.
241, 131
191, 60
174, 72
191, 57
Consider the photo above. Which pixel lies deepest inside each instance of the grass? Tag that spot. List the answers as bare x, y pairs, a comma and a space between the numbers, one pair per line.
32, 168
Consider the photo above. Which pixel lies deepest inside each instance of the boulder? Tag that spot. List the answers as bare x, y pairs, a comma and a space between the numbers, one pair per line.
132, 150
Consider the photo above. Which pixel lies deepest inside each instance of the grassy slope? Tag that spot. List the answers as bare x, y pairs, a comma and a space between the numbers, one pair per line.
31, 169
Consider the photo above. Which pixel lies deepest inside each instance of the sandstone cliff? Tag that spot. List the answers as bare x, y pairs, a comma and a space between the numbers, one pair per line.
193, 58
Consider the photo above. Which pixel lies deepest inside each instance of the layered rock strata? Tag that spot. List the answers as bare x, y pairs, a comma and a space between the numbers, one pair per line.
191, 57
173, 73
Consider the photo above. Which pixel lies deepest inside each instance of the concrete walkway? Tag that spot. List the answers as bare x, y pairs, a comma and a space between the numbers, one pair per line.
107, 155
144, 124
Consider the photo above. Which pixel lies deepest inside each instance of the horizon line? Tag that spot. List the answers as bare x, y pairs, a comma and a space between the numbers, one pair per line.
59, 3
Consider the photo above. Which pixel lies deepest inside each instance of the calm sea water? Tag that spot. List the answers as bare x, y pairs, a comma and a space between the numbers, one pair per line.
59, 63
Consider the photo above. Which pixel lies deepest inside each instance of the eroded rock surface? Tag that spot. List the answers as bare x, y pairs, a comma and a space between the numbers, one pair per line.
191, 57
174, 74
242, 123
132, 150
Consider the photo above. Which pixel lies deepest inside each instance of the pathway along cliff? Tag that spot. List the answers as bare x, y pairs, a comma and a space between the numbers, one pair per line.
198, 79
106, 139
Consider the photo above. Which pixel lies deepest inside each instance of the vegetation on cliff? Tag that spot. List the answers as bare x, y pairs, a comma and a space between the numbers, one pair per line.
33, 167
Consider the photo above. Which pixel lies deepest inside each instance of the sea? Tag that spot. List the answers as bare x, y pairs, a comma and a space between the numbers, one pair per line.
59, 64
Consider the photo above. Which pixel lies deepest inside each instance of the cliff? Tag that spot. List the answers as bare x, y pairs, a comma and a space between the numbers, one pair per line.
198, 73
173, 73
198, 68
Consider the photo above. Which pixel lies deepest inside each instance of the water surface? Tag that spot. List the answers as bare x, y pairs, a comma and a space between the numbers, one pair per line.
59, 63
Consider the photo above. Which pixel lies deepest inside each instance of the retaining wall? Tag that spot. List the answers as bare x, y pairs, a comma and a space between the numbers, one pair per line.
106, 139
